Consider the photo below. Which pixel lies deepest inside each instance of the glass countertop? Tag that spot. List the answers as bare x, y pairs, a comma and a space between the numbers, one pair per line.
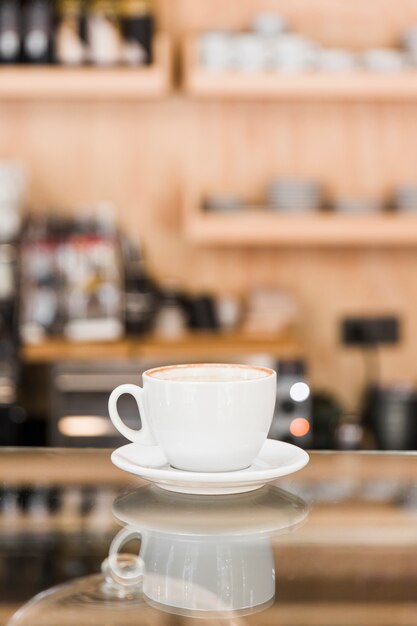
84, 543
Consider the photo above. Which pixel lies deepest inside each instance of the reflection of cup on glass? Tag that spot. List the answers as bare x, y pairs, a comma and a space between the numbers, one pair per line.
202, 573
203, 553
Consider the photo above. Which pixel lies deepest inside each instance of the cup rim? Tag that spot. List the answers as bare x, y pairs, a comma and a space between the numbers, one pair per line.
266, 373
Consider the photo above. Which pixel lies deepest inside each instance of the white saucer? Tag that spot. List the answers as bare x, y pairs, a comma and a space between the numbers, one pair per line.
275, 459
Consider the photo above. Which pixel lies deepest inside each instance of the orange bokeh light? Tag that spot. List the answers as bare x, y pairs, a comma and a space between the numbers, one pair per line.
299, 427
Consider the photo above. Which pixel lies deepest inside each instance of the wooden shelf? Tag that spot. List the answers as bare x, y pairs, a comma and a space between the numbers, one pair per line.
264, 227
358, 85
90, 83
201, 345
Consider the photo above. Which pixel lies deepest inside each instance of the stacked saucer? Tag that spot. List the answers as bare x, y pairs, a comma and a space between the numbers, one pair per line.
357, 205
224, 203
384, 60
405, 198
410, 44
270, 311
336, 60
216, 50
294, 195
293, 53
269, 24
249, 52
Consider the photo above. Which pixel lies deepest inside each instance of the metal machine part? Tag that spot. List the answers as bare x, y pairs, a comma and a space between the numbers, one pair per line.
292, 420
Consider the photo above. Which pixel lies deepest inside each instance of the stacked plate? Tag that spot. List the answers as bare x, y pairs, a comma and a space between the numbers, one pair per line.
410, 44
294, 195
217, 51
224, 203
358, 205
292, 53
249, 52
271, 46
270, 311
336, 60
269, 24
384, 60
405, 198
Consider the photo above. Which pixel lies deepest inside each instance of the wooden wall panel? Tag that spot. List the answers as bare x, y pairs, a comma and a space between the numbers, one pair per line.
143, 156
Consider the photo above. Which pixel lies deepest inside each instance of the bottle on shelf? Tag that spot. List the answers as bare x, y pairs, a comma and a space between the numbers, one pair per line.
37, 31
171, 320
10, 31
71, 37
141, 294
103, 33
137, 26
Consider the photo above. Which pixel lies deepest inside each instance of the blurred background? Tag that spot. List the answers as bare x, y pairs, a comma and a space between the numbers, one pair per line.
197, 180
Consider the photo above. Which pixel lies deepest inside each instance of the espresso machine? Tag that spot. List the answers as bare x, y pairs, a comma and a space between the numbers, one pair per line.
11, 191
292, 421
11, 415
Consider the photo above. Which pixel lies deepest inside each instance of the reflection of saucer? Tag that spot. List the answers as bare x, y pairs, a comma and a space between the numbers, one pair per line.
275, 459
266, 511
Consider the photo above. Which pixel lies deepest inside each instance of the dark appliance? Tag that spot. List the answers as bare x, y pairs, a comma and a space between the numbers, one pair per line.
71, 278
202, 314
37, 31
292, 418
390, 413
79, 397
10, 31
137, 25
11, 415
327, 414
141, 295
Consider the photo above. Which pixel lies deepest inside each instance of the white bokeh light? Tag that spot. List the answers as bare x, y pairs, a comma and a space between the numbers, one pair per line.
299, 392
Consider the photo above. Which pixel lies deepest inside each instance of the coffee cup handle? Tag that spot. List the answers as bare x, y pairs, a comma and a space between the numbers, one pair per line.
144, 435
121, 574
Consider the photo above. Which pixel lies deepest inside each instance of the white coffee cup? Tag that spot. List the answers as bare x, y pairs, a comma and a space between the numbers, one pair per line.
204, 417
